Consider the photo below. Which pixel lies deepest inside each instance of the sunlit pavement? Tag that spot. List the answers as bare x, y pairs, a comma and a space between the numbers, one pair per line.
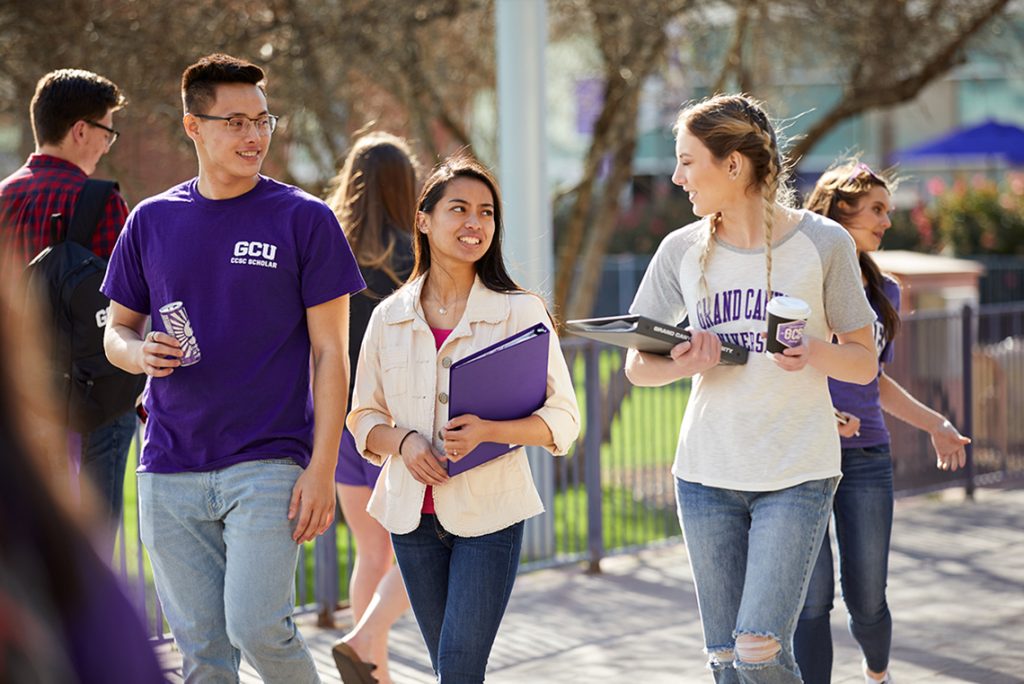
956, 589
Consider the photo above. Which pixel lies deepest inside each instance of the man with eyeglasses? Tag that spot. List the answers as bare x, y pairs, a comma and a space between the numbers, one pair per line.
72, 115
235, 473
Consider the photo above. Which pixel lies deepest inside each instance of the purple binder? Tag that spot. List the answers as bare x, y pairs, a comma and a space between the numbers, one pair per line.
506, 381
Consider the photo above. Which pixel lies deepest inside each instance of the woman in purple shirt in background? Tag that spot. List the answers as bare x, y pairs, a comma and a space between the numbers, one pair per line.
860, 200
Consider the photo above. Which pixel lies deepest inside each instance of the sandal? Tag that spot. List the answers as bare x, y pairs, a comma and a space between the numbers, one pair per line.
350, 667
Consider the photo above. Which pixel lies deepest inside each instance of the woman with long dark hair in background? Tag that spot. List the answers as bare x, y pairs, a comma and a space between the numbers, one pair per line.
375, 202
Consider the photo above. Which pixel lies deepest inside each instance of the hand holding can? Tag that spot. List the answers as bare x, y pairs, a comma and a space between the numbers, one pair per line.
177, 324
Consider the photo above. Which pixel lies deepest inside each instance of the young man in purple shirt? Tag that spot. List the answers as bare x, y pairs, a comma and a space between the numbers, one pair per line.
233, 475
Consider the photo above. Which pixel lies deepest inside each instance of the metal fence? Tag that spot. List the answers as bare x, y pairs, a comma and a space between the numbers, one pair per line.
614, 493
1003, 280
979, 385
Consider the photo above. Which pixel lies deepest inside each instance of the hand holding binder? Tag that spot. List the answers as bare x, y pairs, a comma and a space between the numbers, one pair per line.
506, 381
646, 335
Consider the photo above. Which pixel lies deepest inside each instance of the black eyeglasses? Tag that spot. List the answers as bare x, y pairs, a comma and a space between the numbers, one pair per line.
238, 124
112, 138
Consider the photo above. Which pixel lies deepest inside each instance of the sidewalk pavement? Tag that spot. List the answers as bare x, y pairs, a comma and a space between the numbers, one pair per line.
956, 590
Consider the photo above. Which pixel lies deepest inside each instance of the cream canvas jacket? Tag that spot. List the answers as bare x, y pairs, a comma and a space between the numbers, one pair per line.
402, 380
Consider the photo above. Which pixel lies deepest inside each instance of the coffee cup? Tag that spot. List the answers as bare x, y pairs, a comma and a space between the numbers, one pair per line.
787, 318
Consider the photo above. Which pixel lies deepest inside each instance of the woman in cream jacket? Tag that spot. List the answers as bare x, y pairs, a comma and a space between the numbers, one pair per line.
457, 539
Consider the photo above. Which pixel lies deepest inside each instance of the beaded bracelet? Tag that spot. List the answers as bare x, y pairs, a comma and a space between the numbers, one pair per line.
400, 444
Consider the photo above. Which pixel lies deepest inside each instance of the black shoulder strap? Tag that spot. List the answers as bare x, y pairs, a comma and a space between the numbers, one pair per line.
89, 209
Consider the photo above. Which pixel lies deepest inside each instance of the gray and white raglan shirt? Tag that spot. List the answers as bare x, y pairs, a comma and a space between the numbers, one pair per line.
757, 427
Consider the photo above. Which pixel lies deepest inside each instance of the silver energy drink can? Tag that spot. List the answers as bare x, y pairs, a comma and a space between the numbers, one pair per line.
177, 324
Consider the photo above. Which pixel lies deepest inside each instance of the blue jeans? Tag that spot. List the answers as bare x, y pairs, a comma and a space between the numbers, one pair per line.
458, 588
863, 526
751, 555
104, 456
224, 562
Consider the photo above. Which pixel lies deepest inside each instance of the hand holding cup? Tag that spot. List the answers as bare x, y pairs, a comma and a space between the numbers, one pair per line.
786, 343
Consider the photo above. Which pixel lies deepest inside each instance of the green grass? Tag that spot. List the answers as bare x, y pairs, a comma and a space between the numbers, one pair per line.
645, 430
635, 524
638, 504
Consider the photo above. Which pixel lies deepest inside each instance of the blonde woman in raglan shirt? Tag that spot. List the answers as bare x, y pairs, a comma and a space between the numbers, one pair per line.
758, 456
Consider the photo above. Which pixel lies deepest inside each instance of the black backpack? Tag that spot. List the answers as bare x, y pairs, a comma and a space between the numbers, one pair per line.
68, 277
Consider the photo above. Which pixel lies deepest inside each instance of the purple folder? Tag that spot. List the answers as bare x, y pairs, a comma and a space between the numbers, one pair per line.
506, 381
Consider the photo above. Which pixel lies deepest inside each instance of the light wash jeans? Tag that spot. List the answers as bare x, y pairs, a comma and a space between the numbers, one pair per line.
224, 563
751, 554
863, 525
459, 588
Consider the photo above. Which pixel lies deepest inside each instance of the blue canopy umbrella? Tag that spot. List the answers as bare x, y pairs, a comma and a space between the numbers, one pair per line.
990, 141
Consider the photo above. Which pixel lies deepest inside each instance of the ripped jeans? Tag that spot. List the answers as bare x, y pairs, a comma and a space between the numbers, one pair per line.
751, 554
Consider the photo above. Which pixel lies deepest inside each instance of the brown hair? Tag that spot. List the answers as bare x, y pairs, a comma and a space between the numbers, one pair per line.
491, 267
374, 198
66, 96
837, 195
200, 80
738, 123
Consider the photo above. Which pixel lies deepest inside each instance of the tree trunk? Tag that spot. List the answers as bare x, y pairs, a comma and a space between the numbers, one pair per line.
329, 123
584, 292
733, 62
614, 133
601, 141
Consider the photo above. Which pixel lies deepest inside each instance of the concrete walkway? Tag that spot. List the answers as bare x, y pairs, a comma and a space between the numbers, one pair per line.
956, 590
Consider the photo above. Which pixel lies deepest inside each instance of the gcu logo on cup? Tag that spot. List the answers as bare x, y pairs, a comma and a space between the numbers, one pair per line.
787, 317
791, 334
254, 253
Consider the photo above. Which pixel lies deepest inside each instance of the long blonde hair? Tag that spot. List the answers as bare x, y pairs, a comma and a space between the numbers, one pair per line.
738, 123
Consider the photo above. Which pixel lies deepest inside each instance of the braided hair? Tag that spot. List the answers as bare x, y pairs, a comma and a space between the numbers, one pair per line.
738, 123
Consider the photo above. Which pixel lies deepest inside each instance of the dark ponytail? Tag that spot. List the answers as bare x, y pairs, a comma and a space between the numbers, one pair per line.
876, 294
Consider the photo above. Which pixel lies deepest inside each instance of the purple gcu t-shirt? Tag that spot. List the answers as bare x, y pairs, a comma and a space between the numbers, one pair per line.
246, 269
863, 400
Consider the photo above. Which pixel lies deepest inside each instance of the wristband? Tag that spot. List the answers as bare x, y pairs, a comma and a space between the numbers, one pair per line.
400, 444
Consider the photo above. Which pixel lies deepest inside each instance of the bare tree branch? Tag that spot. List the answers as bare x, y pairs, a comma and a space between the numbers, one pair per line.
631, 46
866, 92
733, 62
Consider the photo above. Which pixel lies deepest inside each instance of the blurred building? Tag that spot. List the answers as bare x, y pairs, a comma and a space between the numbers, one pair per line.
931, 282
988, 85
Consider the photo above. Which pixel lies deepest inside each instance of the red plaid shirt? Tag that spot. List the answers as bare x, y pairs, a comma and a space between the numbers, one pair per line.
48, 185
